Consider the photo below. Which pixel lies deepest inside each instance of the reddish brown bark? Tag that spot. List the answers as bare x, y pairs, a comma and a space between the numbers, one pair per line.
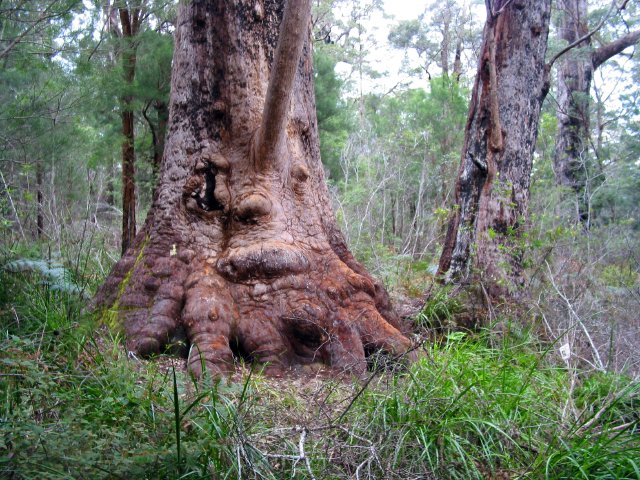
241, 251
130, 23
492, 189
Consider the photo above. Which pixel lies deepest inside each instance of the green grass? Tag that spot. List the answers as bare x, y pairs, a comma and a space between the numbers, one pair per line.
73, 406
467, 410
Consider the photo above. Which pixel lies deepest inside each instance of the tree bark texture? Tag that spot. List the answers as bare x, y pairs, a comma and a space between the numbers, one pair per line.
492, 189
575, 72
240, 248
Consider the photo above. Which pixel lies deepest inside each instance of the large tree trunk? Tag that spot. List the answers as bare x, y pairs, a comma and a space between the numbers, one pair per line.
492, 189
240, 247
575, 72
573, 87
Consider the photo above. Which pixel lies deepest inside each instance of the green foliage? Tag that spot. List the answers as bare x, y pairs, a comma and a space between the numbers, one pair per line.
400, 169
467, 410
334, 116
73, 403
619, 276
55, 276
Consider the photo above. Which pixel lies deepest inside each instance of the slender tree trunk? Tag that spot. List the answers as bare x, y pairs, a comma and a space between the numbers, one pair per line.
128, 181
445, 45
492, 189
240, 248
457, 62
110, 189
130, 26
571, 160
39, 199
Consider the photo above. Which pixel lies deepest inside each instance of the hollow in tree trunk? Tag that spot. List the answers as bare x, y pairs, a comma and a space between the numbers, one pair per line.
240, 248
492, 190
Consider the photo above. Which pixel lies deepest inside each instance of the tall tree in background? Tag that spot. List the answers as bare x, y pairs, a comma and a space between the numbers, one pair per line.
334, 115
441, 41
35, 93
575, 72
492, 189
125, 19
153, 78
240, 247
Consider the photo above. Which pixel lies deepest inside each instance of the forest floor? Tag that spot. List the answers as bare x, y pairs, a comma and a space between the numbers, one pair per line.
75, 404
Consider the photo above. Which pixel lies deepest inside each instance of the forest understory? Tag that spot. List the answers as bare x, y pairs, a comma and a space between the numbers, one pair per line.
499, 400
539, 382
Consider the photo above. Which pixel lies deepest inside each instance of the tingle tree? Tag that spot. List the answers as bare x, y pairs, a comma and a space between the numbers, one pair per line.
240, 248
492, 188
574, 73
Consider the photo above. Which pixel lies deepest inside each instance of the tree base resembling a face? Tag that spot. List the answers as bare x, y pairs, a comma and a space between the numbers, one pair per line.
240, 249
274, 291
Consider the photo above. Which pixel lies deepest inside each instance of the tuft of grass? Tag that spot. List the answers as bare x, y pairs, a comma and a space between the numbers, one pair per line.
468, 410
439, 309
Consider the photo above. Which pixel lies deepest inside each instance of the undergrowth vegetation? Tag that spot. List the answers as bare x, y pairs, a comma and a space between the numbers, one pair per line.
75, 404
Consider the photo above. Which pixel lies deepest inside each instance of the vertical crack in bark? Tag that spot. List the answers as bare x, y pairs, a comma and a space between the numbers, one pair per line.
496, 142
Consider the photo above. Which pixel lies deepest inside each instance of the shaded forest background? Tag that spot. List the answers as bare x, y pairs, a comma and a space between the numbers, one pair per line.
84, 89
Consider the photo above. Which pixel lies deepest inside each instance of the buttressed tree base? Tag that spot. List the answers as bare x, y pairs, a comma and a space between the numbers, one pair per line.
240, 248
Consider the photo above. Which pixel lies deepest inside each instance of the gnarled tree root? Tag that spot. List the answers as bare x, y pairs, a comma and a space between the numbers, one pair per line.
274, 306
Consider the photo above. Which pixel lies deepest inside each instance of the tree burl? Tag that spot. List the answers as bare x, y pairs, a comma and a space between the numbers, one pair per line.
240, 248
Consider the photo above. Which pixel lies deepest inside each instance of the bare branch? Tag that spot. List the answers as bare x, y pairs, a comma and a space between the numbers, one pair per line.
584, 37
598, 361
293, 32
605, 52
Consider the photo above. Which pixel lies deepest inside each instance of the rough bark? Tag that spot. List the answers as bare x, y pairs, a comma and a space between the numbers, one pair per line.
492, 189
244, 254
158, 130
575, 72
